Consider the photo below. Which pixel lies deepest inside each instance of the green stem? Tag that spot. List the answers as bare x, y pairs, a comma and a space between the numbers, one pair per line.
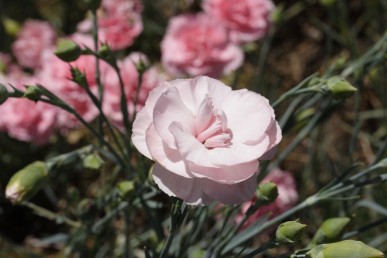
295, 91
63, 105
40, 211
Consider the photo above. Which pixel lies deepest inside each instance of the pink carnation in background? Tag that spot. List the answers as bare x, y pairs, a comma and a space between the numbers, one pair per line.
151, 79
197, 44
247, 20
204, 148
119, 23
34, 38
119, 32
24, 119
122, 7
287, 197
56, 77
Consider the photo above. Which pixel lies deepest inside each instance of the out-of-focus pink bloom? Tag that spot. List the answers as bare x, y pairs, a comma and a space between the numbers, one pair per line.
198, 45
119, 32
287, 197
247, 20
151, 79
121, 7
24, 119
119, 23
204, 149
56, 77
34, 38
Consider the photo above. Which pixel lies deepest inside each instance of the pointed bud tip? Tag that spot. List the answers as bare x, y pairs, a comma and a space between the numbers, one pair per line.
267, 192
289, 232
33, 93
340, 88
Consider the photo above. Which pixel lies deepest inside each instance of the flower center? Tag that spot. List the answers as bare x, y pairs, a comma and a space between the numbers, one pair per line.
211, 126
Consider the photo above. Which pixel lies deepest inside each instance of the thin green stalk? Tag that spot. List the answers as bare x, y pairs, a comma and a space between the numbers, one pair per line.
139, 84
51, 215
302, 134
69, 109
295, 91
123, 102
97, 66
177, 218
310, 201
103, 118
266, 246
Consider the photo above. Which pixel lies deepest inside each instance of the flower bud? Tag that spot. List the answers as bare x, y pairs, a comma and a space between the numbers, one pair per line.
126, 188
267, 192
67, 50
33, 93
11, 27
289, 232
78, 77
106, 53
339, 88
344, 249
26, 182
330, 231
92, 161
3, 94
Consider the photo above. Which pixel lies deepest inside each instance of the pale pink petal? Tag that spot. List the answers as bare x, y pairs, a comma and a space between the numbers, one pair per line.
231, 193
238, 152
204, 115
167, 157
192, 91
170, 108
275, 136
225, 174
189, 147
144, 119
188, 189
248, 115
140, 125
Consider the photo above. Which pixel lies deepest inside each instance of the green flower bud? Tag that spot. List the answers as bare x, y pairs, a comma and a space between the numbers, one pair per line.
93, 161
26, 182
289, 232
79, 77
267, 192
141, 66
67, 50
105, 51
33, 93
3, 94
331, 230
344, 249
11, 26
107, 54
126, 188
339, 88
